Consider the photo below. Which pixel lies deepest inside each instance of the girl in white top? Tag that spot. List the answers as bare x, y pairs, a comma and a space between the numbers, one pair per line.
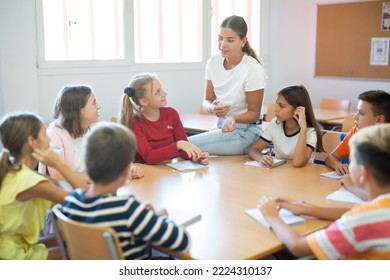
294, 132
235, 82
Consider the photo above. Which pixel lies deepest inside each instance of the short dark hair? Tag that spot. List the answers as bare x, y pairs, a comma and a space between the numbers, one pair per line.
109, 149
380, 102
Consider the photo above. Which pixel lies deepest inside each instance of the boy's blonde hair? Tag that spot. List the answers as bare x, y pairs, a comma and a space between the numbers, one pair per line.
371, 148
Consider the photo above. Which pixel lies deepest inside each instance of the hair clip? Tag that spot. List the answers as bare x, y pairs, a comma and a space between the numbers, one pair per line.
129, 91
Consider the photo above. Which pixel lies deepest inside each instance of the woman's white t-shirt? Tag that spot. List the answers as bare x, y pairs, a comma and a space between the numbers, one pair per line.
230, 85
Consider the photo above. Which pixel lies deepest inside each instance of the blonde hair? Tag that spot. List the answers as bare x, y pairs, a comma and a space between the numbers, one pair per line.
371, 148
139, 85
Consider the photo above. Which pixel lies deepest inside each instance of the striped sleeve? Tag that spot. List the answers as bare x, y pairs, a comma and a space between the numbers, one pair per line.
145, 224
361, 233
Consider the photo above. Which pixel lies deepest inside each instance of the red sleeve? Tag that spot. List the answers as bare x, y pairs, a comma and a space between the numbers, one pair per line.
179, 132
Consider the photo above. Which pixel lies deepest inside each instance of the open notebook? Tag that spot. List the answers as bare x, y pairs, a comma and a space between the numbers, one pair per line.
344, 195
277, 162
185, 166
183, 218
331, 175
287, 216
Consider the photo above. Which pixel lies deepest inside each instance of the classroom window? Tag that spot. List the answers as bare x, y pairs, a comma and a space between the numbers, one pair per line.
83, 29
172, 32
128, 32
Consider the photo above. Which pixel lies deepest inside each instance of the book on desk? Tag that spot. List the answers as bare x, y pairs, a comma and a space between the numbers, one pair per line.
185, 166
183, 218
277, 162
287, 216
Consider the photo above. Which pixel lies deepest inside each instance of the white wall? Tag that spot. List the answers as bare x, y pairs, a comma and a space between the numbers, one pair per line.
288, 45
291, 57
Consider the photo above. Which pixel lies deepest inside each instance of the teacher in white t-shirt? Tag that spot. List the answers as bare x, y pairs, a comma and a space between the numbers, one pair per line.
234, 91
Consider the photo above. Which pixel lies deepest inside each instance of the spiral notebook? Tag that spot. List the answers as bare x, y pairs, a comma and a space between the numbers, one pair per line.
287, 216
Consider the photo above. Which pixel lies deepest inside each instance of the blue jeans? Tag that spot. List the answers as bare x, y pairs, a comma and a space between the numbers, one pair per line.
237, 142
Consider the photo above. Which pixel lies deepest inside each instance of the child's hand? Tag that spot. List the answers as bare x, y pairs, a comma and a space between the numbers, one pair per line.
229, 125
47, 157
204, 159
300, 116
162, 212
266, 160
268, 206
193, 152
136, 172
296, 207
342, 169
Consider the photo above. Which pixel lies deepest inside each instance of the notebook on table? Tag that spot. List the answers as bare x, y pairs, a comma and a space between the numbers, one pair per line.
183, 218
277, 162
186, 166
331, 175
287, 216
344, 195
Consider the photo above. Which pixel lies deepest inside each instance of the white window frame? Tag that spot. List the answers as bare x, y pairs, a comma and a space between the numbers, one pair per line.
46, 67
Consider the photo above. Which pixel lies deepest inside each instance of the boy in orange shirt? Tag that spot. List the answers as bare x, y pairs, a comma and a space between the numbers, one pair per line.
373, 108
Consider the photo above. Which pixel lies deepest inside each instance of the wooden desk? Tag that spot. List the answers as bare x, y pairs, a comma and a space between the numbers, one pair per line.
198, 123
222, 192
324, 115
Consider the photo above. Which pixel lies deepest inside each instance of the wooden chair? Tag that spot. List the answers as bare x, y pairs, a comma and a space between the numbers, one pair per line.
81, 241
335, 104
348, 123
330, 140
270, 112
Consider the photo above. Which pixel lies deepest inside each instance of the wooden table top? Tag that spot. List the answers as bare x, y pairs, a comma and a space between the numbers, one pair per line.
222, 192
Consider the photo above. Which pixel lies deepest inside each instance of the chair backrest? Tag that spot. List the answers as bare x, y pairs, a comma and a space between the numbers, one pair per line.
348, 123
81, 241
270, 112
330, 140
335, 104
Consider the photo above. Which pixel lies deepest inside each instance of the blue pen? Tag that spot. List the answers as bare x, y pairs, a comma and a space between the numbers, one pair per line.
270, 151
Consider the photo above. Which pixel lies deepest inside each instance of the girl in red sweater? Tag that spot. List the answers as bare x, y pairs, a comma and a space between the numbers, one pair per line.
158, 129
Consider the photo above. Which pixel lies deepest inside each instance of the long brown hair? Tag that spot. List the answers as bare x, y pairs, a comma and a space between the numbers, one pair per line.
69, 102
15, 129
299, 96
139, 85
238, 24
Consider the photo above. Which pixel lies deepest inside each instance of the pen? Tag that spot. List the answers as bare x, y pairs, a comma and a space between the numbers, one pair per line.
270, 151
